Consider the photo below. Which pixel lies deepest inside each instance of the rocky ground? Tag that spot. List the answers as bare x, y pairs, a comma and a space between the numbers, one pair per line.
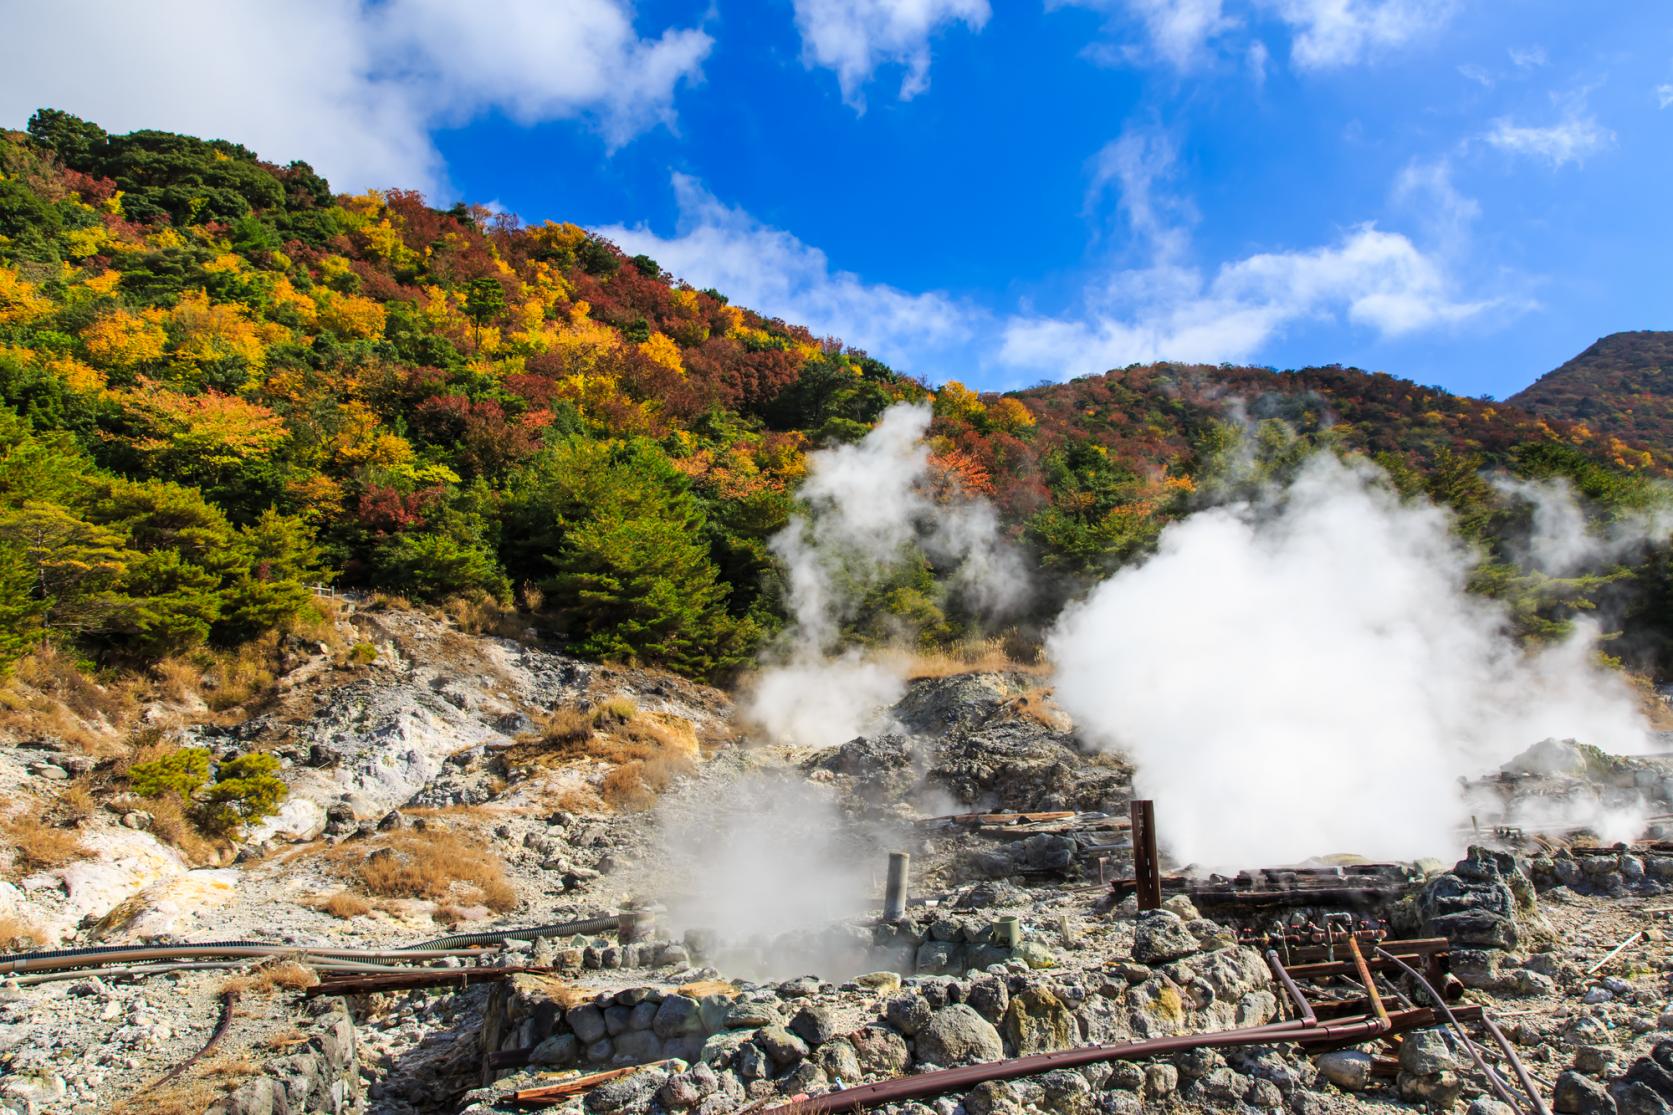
524, 788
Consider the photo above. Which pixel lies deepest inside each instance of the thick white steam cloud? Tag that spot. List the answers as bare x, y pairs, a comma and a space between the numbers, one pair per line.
869, 509
1311, 677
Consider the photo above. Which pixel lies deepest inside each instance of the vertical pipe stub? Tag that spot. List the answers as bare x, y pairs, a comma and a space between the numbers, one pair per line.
894, 893
1147, 872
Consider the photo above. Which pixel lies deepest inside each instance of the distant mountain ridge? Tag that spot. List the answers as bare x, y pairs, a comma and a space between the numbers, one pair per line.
1622, 386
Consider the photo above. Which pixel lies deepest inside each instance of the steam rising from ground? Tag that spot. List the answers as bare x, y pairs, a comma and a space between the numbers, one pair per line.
766, 869
1310, 677
1560, 542
869, 510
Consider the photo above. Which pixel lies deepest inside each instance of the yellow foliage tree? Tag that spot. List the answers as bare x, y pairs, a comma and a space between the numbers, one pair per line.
1010, 415
124, 339
19, 300
661, 349
220, 429
213, 331
351, 316
957, 401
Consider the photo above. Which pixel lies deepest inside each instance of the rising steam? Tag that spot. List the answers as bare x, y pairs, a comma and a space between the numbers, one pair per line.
1560, 542
868, 511
764, 870
1310, 676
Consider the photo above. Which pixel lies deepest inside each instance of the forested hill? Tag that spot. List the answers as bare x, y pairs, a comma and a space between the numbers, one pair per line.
1622, 386
222, 382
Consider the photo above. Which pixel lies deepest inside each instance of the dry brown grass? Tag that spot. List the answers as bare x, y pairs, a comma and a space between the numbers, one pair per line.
285, 1040
38, 846
345, 904
272, 976
48, 696
15, 933
189, 1097
645, 752
171, 825
485, 615
77, 803
438, 864
1000, 654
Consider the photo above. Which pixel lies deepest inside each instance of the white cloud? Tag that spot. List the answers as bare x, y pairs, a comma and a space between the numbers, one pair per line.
1165, 308
771, 271
1427, 189
855, 37
1368, 277
352, 86
1527, 58
1664, 95
1325, 34
1332, 33
1135, 165
1170, 310
1569, 140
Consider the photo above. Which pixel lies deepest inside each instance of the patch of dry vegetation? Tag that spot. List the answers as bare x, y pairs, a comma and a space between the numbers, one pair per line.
486, 615
1012, 654
188, 1097
645, 752
15, 933
271, 976
441, 865
48, 696
38, 846
345, 904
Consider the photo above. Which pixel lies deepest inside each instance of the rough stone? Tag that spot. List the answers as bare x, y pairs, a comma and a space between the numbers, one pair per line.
1160, 936
1348, 1069
1037, 1021
957, 1034
814, 1024
908, 1013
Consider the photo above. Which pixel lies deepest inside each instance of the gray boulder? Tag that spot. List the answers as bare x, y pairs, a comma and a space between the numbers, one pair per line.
956, 1035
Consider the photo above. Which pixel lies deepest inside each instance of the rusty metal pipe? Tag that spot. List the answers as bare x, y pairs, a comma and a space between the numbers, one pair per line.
1492, 1077
1147, 868
962, 1079
1302, 1006
1516, 1065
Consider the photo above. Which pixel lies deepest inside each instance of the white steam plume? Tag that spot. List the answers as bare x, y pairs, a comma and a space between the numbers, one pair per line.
868, 510
1311, 677
766, 871
1561, 543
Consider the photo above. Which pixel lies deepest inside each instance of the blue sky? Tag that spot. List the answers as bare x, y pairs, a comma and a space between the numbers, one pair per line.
1462, 193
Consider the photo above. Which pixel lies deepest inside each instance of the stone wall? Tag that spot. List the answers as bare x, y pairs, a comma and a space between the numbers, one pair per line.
323, 1078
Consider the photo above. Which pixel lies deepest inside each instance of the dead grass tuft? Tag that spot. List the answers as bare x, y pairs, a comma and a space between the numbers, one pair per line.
999, 654
271, 976
486, 615
49, 697
15, 933
38, 846
190, 1097
645, 752
345, 904
171, 825
438, 864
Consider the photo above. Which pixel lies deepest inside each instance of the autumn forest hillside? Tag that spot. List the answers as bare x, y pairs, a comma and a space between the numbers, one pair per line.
223, 383
1622, 386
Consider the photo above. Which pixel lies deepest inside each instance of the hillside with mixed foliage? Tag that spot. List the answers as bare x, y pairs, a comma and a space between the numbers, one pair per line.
1622, 386
222, 383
